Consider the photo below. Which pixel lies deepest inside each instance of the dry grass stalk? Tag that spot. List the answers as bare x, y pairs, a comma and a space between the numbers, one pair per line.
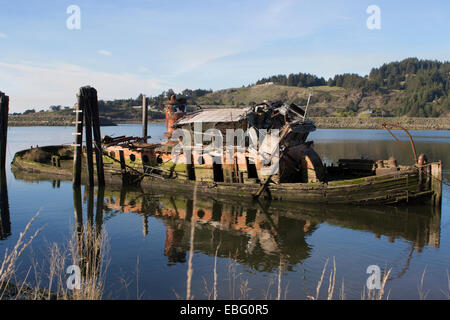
447, 292
342, 292
319, 284
332, 281
267, 295
422, 295
215, 273
190, 270
10, 260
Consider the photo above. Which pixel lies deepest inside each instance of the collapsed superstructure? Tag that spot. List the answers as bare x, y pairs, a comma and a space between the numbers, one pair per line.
232, 145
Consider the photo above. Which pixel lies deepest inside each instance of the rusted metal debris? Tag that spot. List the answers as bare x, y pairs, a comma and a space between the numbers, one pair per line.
413, 147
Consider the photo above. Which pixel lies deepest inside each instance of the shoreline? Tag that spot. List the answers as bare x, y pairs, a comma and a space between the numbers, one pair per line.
430, 124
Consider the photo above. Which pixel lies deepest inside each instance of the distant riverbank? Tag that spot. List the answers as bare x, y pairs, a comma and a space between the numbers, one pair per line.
375, 123
321, 122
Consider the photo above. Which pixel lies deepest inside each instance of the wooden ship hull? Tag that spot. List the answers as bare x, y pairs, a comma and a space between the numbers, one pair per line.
404, 184
300, 175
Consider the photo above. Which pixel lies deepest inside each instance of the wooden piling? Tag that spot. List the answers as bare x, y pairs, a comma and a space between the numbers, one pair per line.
88, 104
4, 110
436, 183
78, 151
144, 118
5, 226
88, 133
97, 137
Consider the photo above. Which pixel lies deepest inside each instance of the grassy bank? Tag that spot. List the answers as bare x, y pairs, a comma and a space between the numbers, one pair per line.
321, 122
375, 123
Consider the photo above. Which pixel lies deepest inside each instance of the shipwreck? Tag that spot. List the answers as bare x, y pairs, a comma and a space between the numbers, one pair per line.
257, 163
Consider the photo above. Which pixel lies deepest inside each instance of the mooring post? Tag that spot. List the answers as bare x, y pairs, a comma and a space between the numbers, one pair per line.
88, 131
144, 118
97, 137
4, 110
5, 226
78, 152
87, 109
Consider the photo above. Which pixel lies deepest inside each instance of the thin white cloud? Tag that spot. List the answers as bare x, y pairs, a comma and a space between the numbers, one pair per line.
2, 35
104, 52
37, 86
142, 69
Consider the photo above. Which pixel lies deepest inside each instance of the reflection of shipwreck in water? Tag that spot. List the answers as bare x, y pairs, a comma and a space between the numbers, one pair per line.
247, 234
254, 234
259, 236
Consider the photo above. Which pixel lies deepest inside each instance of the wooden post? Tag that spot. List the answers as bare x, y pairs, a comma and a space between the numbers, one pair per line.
78, 152
144, 118
122, 161
97, 137
88, 103
5, 227
436, 183
4, 110
88, 131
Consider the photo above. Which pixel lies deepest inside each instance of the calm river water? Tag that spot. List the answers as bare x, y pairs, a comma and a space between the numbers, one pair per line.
262, 251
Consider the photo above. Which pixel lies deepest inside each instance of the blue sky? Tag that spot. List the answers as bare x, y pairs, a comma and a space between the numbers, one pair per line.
146, 46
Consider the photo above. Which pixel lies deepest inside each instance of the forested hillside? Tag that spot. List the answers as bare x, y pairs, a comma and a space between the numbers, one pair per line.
411, 87
421, 87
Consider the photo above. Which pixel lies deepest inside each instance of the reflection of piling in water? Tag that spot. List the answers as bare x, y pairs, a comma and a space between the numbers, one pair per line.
56, 184
5, 226
78, 210
89, 236
99, 212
